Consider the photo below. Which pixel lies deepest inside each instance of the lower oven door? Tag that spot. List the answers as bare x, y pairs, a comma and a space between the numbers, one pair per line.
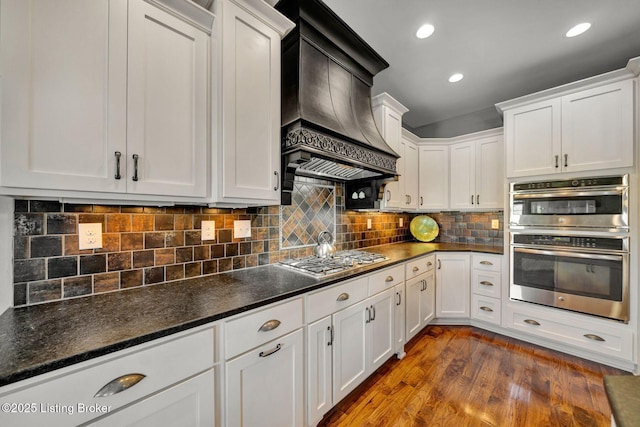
583, 281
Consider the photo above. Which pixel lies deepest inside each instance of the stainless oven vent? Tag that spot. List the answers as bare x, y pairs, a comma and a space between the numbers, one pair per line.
318, 167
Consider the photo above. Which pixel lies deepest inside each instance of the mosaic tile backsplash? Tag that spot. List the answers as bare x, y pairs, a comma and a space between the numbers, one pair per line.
312, 211
147, 245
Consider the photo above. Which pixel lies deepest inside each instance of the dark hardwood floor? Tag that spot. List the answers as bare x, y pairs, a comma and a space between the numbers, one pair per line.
464, 376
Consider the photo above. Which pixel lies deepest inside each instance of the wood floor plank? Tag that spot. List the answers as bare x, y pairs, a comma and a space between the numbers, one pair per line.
463, 376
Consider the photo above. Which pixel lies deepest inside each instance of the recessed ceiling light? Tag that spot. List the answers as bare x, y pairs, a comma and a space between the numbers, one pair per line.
578, 29
425, 31
456, 77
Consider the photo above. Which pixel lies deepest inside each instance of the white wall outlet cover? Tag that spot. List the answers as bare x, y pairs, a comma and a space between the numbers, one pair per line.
401, 222
241, 229
208, 230
368, 223
90, 236
495, 224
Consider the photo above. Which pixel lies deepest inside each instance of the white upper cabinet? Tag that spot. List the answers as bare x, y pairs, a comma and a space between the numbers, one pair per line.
387, 113
476, 174
88, 85
246, 143
571, 130
434, 177
411, 175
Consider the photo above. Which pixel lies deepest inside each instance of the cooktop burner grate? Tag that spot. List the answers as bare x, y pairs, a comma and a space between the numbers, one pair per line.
340, 261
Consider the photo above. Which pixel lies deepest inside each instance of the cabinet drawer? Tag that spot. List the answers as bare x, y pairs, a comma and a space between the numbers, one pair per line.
418, 266
262, 325
607, 338
486, 283
75, 389
385, 279
325, 302
486, 309
487, 262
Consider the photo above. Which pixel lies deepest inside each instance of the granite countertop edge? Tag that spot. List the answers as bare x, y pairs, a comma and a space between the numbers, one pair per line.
623, 393
42, 338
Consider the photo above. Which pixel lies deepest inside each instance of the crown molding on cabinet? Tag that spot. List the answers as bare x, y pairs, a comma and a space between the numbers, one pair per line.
454, 139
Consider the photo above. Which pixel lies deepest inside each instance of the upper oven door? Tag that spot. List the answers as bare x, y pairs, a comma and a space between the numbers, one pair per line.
588, 208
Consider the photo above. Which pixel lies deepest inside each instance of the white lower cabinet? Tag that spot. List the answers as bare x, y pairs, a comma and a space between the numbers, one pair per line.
486, 285
189, 404
172, 379
319, 369
420, 303
399, 321
265, 385
452, 285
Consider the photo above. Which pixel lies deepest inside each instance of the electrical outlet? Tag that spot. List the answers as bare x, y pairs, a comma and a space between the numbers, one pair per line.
401, 222
368, 223
90, 236
495, 224
241, 229
208, 230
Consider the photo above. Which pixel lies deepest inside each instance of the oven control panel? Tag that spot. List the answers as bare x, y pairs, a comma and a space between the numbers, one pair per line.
590, 242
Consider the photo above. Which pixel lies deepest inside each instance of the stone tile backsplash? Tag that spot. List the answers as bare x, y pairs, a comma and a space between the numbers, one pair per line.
150, 245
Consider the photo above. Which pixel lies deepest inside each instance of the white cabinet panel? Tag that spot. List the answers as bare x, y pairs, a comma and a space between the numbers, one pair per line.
420, 303
167, 104
399, 320
434, 177
411, 178
381, 332
319, 367
452, 285
349, 349
64, 76
265, 385
463, 176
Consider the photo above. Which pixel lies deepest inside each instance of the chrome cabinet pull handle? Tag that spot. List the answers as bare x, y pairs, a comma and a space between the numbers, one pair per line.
269, 325
416, 269
119, 385
389, 279
277, 180
557, 162
118, 155
388, 195
343, 297
424, 285
439, 265
373, 313
330, 329
472, 199
477, 199
410, 198
485, 308
532, 322
135, 167
270, 352
486, 283
566, 160
399, 298
421, 201
594, 337
366, 309
486, 263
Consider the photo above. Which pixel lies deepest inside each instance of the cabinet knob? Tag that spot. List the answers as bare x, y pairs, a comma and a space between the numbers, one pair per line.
119, 384
269, 325
416, 269
389, 279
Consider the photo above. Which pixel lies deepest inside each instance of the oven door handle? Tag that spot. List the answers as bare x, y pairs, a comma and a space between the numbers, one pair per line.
581, 255
542, 195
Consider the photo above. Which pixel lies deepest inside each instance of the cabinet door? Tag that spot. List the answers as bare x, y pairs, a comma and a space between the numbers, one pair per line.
463, 176
381, 330
390, 125
394, 191
428, 300
190, 404
452, 285
489, 174
434, 177
398, 321
597, 128
319, 336
265, 385
532, 139
349, 349
412, 307
411, 175
250, 155
167, 104
64, 88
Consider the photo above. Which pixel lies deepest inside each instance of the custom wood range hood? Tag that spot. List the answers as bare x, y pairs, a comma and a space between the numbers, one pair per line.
328, 130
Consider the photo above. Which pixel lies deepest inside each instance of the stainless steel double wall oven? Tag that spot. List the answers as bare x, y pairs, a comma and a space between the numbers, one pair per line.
570, 244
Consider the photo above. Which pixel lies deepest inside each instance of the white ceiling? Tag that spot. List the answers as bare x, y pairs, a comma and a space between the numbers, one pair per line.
504, 48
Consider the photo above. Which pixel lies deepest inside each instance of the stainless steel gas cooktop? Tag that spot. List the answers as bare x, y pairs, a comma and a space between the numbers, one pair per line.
340, 261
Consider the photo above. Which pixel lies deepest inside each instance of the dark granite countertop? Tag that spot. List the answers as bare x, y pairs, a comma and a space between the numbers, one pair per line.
623, 392
38, 339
